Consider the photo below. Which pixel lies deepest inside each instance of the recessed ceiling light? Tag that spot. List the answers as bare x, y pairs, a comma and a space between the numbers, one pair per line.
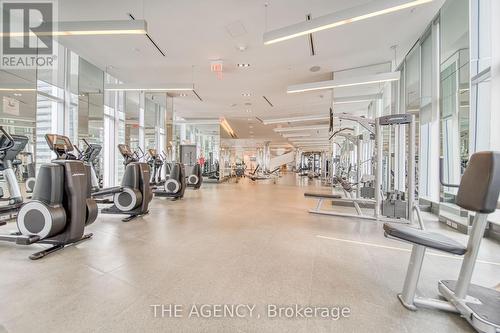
183, 95
248, 110
243, 65
17, 94
241, 47
246, 94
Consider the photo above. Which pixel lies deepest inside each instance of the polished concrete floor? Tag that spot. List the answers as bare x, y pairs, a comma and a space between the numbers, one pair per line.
245, 243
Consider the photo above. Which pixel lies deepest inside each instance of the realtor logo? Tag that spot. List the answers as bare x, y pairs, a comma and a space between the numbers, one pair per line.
27, 34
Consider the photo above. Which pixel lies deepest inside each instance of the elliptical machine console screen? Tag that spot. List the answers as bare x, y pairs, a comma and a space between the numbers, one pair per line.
59, 142
125, 150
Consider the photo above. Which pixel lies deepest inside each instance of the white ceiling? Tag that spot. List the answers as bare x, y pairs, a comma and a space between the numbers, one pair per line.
194, 32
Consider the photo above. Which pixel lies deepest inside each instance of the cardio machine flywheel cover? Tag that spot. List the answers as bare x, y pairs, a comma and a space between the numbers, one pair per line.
193, 179
38, 215
125, 200
172, 186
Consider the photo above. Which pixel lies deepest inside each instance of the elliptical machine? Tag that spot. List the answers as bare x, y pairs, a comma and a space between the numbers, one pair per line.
175, 185
10, 146
134, 195
166, 164
61, 206
195, 179
89, 155
131, 198
155, 162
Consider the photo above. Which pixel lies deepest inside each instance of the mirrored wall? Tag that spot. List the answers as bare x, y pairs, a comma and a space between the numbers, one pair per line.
197, 141
18, 117
91, 110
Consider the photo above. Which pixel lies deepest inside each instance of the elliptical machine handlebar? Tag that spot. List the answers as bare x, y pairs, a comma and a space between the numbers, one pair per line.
9, 137
142, 152
80, 154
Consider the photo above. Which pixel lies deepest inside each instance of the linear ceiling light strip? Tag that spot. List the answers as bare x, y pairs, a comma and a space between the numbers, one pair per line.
344, 82
84, 28
329, 21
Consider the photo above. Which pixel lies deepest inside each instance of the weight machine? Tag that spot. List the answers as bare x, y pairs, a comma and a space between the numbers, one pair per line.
394, 206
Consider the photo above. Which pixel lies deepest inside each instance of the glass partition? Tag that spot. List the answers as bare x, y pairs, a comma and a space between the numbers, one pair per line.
18, 116
132, 121
91, 108
150, 120
454, 70
50, 105
425, 116
205, 135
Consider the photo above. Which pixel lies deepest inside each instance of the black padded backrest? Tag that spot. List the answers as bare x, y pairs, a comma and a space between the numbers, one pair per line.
480, 184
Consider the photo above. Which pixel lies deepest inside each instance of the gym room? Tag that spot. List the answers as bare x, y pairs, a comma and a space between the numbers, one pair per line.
250, 166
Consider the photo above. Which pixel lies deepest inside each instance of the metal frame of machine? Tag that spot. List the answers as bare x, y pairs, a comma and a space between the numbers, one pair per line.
379, 123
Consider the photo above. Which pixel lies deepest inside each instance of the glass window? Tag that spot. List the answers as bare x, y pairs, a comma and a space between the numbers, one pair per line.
425, 116
454, 49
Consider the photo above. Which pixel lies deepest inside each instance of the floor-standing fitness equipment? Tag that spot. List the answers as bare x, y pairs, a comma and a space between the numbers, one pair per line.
188, 159
480, 306
211, 167
155, 163
10, 146
61, 206
394, 206
195, 179
132, 198
175, 185
27, 171
90, 155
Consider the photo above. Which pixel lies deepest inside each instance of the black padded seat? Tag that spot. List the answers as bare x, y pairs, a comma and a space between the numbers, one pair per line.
323, 195
425, 238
